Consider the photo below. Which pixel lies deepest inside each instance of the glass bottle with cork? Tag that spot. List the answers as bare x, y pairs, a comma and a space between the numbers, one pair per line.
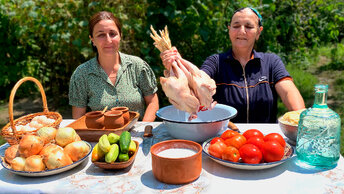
318, 138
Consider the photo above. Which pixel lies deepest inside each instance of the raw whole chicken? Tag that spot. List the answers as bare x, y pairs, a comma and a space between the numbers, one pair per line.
175, 86
187, 88
200, 83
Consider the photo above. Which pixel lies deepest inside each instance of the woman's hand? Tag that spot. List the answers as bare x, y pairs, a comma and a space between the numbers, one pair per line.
169, 56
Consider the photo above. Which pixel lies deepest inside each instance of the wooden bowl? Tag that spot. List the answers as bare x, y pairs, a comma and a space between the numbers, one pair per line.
118, 165
178, 166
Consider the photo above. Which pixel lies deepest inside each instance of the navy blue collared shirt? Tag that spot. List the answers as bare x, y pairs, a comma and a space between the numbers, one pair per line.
251, 90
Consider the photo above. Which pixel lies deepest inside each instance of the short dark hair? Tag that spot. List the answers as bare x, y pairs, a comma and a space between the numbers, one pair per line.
103, 15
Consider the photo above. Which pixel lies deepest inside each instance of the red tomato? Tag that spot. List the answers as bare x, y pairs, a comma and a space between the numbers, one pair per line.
257, 141
228, 134
216, 139
272, 151
275, 136
216, 149
237, 141
253, 133
230, 153
250, 154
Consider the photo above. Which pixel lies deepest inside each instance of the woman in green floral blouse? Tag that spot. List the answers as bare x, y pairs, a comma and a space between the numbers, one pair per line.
112, 78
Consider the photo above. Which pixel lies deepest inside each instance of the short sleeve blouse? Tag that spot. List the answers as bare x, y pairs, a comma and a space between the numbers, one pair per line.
90, 85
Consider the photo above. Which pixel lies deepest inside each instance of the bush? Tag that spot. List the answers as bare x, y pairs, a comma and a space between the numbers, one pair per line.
49, 39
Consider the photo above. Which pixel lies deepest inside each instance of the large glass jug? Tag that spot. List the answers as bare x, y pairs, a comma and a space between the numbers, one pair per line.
318, 137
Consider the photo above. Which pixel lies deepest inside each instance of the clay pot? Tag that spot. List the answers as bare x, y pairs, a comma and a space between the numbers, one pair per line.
177, 169
94, 119
125, 111
113, 119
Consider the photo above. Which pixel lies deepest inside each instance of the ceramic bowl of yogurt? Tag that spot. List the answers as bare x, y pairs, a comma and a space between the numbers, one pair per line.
176, 161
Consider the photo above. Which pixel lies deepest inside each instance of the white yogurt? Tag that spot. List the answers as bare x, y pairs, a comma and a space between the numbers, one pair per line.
177, 153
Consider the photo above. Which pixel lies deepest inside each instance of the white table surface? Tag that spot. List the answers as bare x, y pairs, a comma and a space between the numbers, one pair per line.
214, 178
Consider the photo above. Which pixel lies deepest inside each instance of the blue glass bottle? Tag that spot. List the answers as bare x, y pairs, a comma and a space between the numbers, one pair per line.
318, 137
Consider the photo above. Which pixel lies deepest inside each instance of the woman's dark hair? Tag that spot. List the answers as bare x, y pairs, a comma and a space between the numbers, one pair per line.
260, 18
103, 15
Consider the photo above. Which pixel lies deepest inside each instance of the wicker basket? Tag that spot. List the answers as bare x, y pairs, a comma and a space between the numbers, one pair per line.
13, 136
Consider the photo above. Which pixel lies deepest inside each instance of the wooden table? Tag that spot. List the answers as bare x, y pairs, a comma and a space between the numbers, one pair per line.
215, 178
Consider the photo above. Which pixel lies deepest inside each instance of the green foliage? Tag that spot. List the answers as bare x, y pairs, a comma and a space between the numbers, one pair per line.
2, 140
12, 57
196, 28
49, 39
337, 58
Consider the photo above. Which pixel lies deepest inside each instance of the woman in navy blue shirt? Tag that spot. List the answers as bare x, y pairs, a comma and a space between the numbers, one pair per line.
248, 80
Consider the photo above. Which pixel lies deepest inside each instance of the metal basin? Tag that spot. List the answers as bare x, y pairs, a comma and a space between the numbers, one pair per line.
208, 124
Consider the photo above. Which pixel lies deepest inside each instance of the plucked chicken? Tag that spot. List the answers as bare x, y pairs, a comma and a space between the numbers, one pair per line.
187, 87
178, 92
200, 83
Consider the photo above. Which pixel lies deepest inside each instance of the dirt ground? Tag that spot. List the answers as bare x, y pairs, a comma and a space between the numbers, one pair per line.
27, 106
327, 77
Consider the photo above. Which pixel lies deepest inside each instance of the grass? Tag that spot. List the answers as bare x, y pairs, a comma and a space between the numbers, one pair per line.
336, 66
330, 62
321, 65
